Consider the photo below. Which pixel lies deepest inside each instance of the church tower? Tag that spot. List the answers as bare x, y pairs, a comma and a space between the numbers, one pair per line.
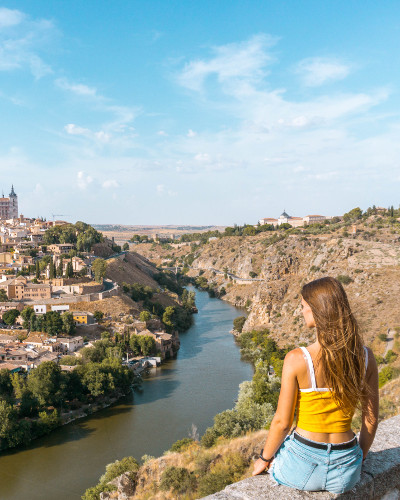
13, 206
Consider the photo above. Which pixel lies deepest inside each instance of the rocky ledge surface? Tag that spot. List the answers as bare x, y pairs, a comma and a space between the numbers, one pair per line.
380, 477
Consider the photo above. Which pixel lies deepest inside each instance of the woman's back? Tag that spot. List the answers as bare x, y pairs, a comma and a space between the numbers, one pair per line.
318, 415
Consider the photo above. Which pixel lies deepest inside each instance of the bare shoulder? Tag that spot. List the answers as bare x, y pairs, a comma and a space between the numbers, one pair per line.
294, 359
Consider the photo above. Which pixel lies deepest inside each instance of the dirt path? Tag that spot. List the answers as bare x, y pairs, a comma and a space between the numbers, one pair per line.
389, 340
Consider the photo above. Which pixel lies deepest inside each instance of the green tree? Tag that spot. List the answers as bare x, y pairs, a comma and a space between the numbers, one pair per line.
69, 272
27, 314
134, 344
147, 344
98, 315
354, 215
52, 270
68, 323
44, 382
99, 267
3, 296
60, 270
167, 318
37, 270
145, 316
6, 386
10, 316
125, 247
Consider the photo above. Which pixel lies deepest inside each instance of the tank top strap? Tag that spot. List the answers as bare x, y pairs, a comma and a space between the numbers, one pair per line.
310, 367
366, 360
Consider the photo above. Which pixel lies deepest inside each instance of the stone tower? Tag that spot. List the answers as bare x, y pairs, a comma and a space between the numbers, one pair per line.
13, 206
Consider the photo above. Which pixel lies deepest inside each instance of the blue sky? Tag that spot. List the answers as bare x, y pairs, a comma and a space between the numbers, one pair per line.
199, 112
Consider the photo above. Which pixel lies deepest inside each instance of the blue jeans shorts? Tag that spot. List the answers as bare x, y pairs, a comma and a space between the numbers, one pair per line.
306, 468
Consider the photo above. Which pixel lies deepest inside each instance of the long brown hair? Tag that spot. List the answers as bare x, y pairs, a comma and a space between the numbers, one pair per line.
342, 355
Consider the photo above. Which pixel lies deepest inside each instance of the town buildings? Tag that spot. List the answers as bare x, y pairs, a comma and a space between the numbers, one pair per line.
285, 218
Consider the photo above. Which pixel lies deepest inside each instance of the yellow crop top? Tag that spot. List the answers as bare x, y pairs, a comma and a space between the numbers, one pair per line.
316, 408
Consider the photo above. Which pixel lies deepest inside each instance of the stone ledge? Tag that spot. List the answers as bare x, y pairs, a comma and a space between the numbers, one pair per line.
380, 478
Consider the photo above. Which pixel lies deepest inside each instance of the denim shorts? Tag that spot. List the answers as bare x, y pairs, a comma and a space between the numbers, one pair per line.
306, 468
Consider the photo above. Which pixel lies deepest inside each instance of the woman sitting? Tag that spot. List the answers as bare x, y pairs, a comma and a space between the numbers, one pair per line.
324, 383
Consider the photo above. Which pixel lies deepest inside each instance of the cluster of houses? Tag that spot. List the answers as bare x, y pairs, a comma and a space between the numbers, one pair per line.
21, 244
285, 218
35, 349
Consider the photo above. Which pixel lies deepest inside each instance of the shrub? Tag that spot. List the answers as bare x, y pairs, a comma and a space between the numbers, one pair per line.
390, 356
221, 473
238, 323
382, 337
209, 437
386, 374
344, 279
178, 479
115, 469
181, 444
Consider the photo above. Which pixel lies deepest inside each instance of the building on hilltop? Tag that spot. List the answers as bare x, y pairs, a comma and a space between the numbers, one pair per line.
285, 218
9, 206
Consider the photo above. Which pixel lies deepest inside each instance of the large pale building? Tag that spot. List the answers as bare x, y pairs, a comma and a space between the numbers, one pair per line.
9, 206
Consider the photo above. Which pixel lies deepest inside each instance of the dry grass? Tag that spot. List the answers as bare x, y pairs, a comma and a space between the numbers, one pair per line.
193, 458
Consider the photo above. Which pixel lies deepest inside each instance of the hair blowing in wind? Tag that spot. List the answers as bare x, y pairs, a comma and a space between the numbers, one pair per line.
342, 357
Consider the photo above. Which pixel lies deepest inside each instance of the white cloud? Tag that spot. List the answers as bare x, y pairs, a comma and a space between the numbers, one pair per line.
73, 129
162, 133
160, 188
110, 183
317, 71
242, 60
76, 88
20, 47
9, 17
83, 180
191, 133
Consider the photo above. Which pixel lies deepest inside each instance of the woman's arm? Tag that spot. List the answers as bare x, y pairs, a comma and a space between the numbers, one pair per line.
283, 418
370, 410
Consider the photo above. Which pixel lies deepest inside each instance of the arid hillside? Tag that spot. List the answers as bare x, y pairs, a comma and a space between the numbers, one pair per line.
264, 274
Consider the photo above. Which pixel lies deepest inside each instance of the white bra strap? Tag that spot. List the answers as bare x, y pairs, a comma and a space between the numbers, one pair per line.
366, 359
310, 367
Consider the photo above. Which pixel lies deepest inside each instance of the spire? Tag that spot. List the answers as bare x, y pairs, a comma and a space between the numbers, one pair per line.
12, 191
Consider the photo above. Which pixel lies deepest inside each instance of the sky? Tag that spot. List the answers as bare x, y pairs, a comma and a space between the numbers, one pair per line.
199, 112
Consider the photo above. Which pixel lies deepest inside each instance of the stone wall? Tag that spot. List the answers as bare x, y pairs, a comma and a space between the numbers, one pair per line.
380, 477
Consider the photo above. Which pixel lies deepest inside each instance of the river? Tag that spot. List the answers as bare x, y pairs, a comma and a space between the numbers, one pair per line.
202, 381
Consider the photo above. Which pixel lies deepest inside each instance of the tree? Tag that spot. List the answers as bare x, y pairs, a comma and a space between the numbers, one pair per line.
37, 270
60, 270
68, 323
10, 316
147, 344
6, 387
69, 272
27, 314
167, 318
44, 382
353, 215
99, 267
125, 247
51, 323
3, 296
98, 315
134, 344
145, 316
52, 270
